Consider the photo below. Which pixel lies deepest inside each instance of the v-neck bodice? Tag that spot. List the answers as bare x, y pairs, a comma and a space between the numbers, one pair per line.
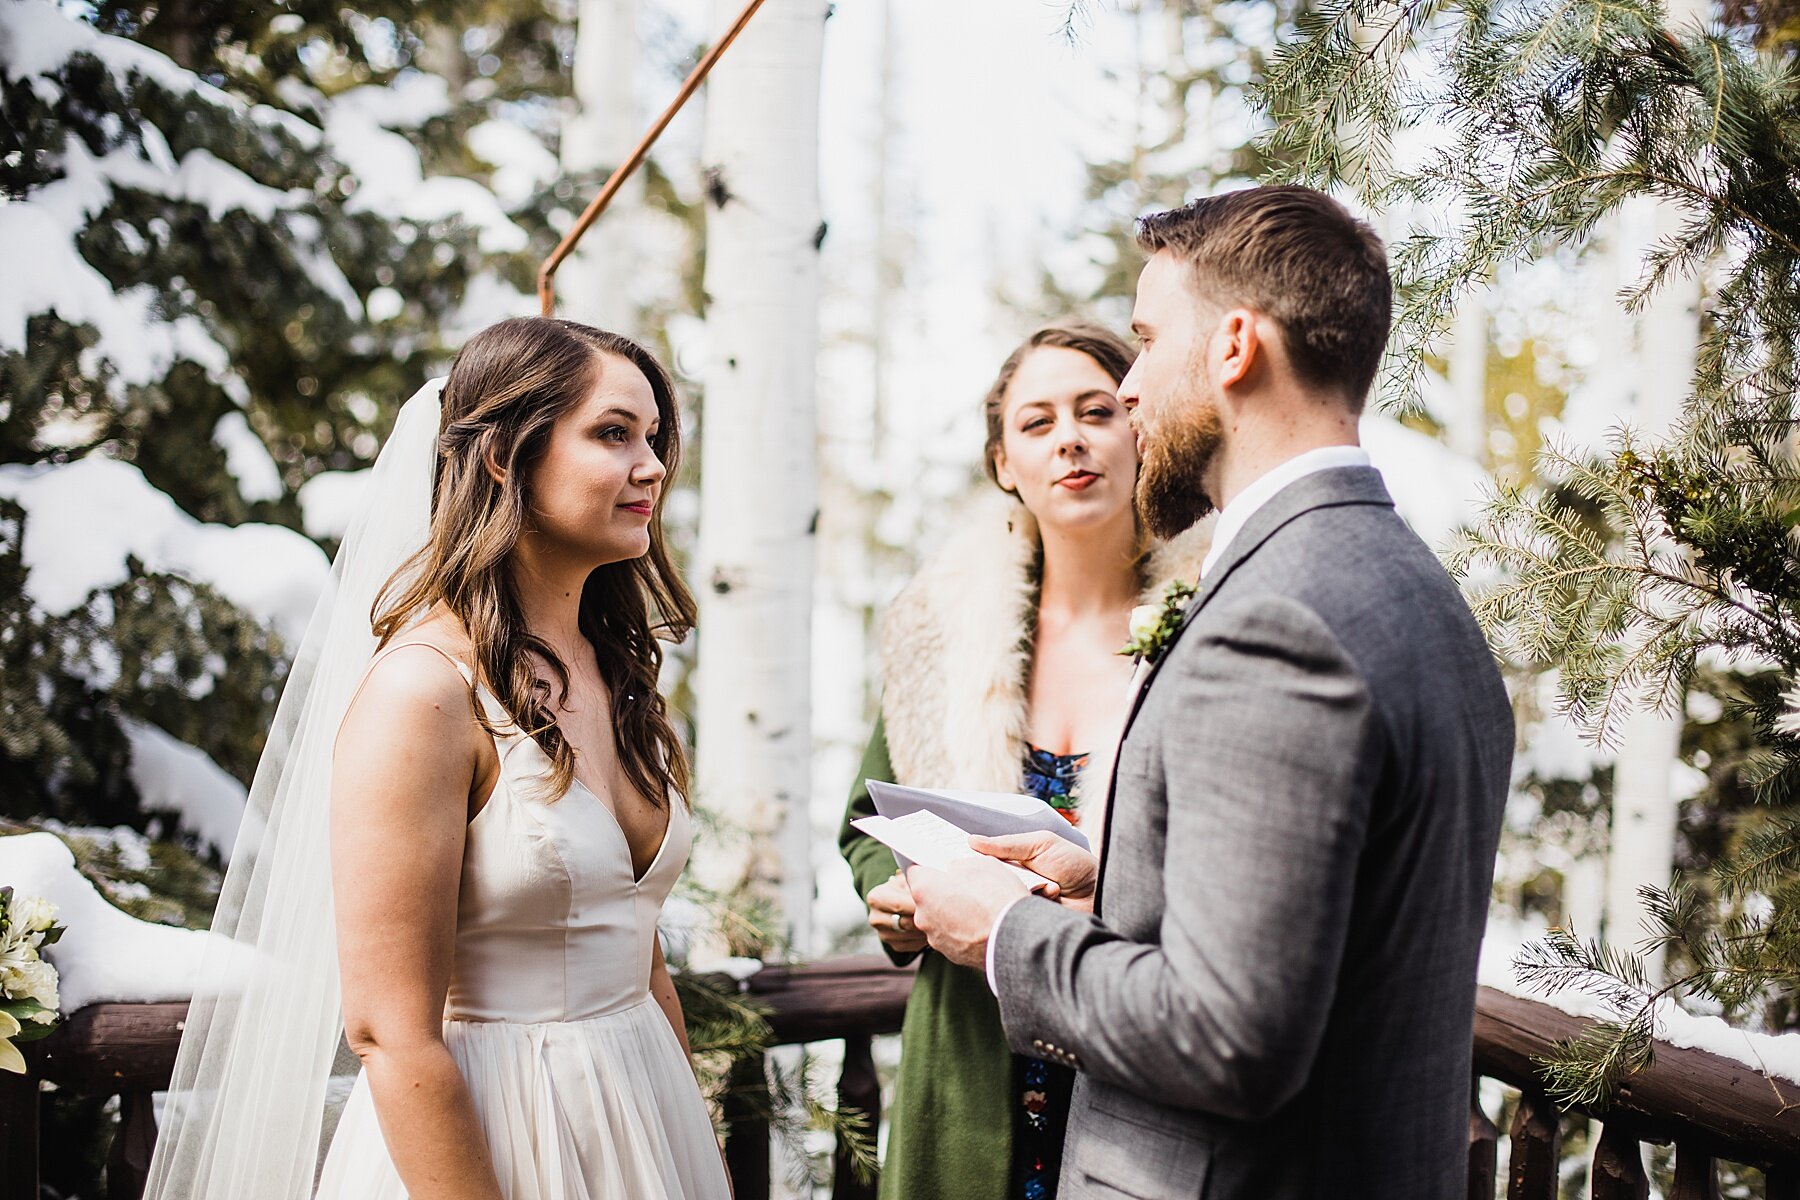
551, 922
579, 1084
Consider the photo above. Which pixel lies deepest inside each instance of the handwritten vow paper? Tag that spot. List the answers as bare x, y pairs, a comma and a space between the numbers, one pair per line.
932, 825
928, 840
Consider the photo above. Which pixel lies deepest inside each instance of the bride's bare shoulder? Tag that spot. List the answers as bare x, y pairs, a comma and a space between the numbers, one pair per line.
421, 672
411, 735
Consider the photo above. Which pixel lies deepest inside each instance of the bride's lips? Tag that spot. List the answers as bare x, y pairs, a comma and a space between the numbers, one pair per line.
642, 508
1078, 481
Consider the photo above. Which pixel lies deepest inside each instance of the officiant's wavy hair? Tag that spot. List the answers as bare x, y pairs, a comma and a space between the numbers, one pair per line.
1299, 257
506, 390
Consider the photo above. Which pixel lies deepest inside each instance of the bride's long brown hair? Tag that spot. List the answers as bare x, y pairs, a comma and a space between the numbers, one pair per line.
506, 389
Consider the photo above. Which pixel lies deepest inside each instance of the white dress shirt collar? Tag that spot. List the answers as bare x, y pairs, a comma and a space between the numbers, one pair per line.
1243, 506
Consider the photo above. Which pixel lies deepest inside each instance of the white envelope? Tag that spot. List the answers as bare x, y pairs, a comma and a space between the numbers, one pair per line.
991, 814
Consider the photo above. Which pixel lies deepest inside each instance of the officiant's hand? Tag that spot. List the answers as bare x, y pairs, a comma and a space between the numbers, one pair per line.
891, 915
956, 910
1071, 870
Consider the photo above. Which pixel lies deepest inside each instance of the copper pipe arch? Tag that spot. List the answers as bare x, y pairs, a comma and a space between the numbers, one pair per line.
625, 170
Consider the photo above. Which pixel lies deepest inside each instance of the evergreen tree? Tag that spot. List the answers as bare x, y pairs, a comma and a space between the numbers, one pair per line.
1648, 567
200, 291
237, 237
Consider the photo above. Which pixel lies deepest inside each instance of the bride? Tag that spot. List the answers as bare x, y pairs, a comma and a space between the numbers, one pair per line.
505, 819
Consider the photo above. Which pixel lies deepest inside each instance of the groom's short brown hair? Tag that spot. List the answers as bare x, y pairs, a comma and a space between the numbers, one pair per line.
1299, 257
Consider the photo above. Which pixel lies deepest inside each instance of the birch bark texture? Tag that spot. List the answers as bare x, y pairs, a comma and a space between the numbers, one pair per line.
596, 281
759, 457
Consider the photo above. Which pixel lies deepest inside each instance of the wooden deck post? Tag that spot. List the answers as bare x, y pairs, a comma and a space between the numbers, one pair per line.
1536, 1149
746, 1105
128, 1164
1618, 1172
1695, 1176
1484, 1148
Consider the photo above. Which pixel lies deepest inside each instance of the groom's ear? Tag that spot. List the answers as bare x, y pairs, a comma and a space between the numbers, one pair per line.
1241, 347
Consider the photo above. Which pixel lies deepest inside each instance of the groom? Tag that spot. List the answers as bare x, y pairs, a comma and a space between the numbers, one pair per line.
1273, 994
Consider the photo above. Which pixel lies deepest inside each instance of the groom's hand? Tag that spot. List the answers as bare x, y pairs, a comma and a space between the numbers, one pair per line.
1071, 870
956, 910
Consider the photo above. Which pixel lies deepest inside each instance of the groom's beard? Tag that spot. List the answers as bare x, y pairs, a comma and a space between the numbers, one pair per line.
1171, 496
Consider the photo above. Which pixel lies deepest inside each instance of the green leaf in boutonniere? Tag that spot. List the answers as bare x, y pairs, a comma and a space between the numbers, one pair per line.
1152, 625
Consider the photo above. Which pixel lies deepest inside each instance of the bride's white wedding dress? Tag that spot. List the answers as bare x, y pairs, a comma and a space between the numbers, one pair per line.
580, 1085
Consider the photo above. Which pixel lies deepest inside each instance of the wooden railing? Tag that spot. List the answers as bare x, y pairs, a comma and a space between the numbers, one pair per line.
123, 1050
1711, 1109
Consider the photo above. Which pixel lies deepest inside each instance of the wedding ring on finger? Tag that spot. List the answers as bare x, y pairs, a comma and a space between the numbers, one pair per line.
899, 923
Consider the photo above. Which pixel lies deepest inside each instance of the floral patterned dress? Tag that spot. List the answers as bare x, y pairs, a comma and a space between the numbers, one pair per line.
1043, 1089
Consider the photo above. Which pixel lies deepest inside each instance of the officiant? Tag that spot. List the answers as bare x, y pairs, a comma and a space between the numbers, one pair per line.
1001, 672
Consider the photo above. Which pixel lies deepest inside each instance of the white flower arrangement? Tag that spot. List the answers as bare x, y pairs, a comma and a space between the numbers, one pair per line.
28, 1000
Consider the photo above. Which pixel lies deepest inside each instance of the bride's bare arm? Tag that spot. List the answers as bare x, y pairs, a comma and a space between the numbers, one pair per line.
406, 760
663, 988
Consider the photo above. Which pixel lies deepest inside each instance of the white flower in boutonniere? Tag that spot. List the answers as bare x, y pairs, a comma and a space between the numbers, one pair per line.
28, 999
1152, 625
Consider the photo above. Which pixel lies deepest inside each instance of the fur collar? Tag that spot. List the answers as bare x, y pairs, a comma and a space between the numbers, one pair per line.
955, 653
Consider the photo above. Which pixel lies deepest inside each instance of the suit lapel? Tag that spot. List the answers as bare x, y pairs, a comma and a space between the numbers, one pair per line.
1330, 488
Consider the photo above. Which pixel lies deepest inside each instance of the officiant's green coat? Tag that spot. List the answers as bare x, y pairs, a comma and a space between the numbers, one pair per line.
956, 648
950, 1130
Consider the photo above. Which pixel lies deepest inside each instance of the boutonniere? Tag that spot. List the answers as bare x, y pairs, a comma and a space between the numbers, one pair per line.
1152, 625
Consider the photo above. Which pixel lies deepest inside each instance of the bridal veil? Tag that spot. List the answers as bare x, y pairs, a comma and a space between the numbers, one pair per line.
247, 1101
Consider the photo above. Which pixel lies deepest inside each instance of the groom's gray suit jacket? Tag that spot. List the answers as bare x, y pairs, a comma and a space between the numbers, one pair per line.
1275, 999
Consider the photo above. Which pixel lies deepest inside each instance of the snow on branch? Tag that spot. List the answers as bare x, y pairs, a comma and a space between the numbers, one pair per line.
86, 519
172, 776
390, 175
37, 41
46, 275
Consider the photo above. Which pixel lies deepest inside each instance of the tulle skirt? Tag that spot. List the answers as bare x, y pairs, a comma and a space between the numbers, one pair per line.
601, 1109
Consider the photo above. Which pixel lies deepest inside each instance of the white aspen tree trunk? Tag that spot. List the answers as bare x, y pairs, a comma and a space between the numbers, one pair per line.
1645, 807
595, 284
1174, 51
887, 267
858, 291
758, 453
